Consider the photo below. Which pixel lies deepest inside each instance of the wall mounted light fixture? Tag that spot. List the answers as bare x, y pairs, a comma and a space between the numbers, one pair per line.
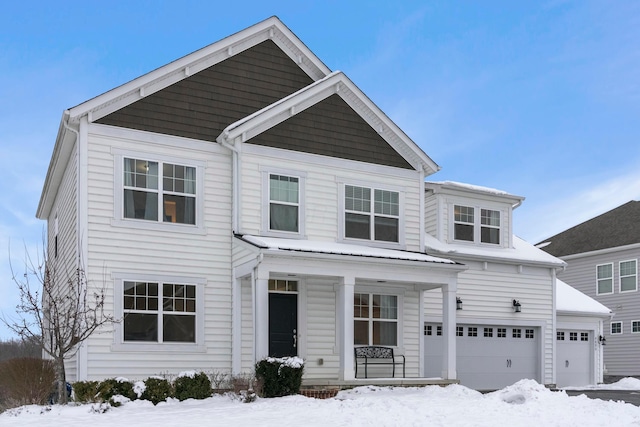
458, 303
602, 340
517, 307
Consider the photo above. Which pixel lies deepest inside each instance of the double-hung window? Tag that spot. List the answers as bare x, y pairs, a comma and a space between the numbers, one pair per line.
159, 312
159, 191
375, 319
284, 203
467, 220
371, 214
604, 279
628, 276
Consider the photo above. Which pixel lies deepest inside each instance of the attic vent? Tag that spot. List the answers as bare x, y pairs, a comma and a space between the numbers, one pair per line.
230, 51
187, 71
142, 92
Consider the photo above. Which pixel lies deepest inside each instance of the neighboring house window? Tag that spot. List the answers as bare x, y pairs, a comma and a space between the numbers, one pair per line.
159, 312
616, 328
284, 203
371, 214
604, 274
466, 223
628, 276
635, 326
159, 191
375, 319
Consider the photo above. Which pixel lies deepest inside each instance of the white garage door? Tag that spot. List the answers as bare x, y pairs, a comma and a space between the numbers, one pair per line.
574, 355
489, 357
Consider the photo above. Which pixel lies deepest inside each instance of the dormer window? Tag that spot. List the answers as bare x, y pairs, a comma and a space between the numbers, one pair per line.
476, 225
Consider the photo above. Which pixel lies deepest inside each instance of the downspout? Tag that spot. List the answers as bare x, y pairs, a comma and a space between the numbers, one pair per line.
235, 177
421, 205
254, 277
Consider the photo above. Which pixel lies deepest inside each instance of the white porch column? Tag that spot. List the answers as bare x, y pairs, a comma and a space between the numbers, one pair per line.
449, 330
345, 314
261, 319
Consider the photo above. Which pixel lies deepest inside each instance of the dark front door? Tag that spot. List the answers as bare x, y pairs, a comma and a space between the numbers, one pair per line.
283, 325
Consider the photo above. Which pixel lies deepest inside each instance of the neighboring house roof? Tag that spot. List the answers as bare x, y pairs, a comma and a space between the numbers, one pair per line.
569, 300
618, 227
521, 252
336, 83
310, 246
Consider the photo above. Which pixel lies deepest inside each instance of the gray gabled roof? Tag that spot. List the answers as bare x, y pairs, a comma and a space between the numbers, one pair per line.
618, 227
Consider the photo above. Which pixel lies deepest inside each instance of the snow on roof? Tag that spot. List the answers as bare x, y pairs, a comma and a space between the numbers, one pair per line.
521, 251
312, 246
476, 188
569, 299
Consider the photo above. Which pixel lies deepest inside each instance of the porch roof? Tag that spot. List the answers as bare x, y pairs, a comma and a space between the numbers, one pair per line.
334, 248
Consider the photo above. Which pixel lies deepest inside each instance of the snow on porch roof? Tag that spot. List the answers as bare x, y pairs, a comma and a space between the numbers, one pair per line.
311, 246
569, 299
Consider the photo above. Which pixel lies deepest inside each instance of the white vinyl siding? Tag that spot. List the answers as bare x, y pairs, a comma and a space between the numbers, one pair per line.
114, 249
323, 218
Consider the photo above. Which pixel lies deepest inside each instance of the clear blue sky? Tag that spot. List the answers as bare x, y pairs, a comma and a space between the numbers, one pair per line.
540, 99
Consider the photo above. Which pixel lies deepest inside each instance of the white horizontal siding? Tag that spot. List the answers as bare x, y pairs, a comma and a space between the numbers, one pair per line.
206, 255
431, 215
322, 193
321, 330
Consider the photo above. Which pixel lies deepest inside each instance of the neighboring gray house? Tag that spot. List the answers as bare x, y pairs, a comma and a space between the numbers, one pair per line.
245, 201
602, 261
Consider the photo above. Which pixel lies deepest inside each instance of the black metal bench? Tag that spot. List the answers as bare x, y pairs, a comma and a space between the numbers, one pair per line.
376, 355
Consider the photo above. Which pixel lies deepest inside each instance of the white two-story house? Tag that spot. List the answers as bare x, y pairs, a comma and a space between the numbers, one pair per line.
245, 201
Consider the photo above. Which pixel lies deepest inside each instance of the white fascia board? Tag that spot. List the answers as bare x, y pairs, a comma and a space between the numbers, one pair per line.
456, 188
335, 83
585, 314
199, 60
59, 158
599, 251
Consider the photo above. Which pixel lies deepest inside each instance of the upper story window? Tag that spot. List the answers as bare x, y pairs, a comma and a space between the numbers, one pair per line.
628, 275
284, 203
371, 214
159, 191
604, 279
476, 225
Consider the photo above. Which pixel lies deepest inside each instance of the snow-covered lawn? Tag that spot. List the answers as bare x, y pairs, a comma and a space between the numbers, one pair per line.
525, 403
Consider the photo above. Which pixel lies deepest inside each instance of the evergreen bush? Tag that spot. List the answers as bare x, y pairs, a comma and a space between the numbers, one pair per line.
111, 387
192, 386
156, 390
86, 391
280, 376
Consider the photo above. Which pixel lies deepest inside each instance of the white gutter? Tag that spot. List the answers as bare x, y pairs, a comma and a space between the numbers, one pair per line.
235, 177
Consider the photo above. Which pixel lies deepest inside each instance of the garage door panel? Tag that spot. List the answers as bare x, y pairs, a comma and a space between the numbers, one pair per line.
574, 357
487, 359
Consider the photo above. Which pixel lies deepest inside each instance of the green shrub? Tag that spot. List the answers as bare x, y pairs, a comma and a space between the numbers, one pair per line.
192, 386
156, 390
86, 391
113, 387
25, 380
280, 376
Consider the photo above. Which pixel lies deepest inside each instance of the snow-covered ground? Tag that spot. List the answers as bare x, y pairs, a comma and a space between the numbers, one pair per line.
525, 403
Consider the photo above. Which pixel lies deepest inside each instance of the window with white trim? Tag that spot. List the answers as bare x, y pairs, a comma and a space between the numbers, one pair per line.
573, 336
467, 220
284, 203
616, 328
516, 333
635, 326
472, 331
159, 312
459, 331
584, 336
529, 333
560, 336
375, 319
604, 279
159, 191
628, 276
502, 332
488, 332
371, 214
